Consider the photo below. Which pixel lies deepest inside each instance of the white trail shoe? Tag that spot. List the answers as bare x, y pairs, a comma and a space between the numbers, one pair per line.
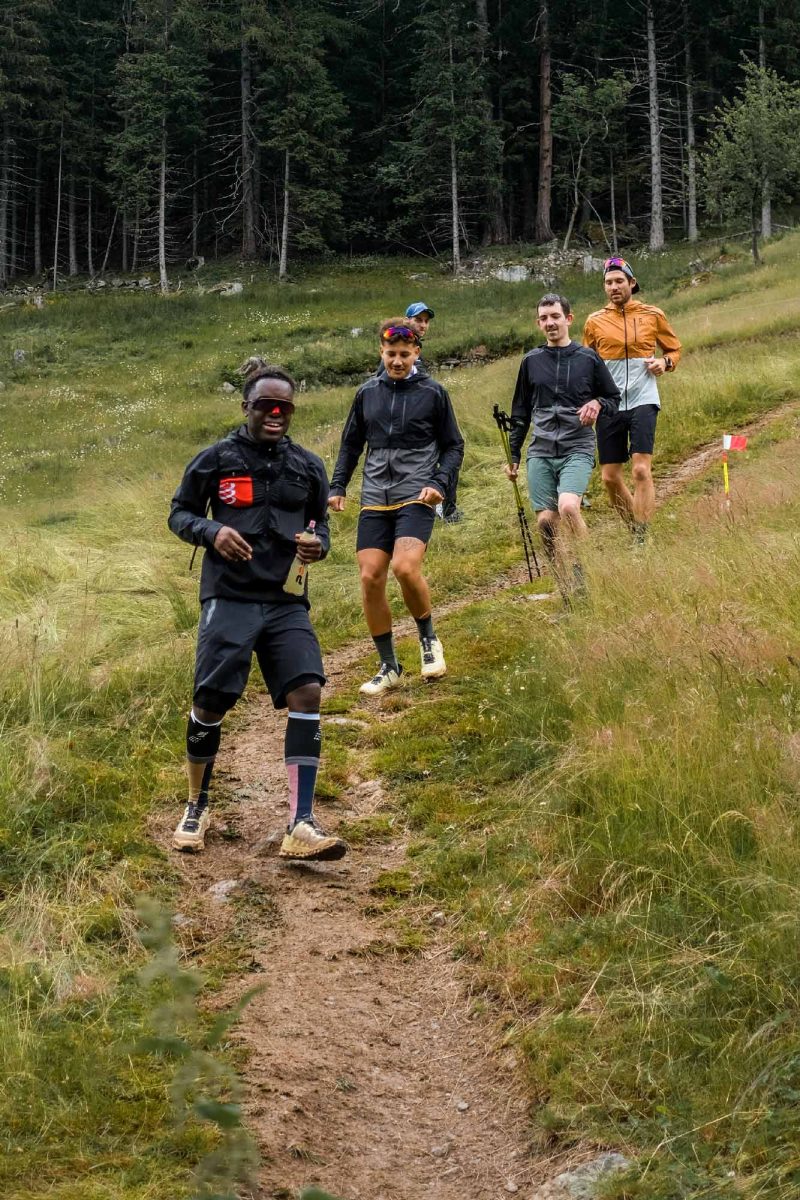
387, 677
432, 655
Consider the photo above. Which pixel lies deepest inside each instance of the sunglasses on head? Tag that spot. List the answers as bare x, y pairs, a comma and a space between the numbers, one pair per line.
268, 405
399, 331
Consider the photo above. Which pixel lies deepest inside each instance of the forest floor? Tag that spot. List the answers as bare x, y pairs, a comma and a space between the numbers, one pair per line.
371, 1070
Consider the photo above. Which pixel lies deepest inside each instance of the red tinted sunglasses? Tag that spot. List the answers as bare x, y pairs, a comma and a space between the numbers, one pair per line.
265, 404
399, 331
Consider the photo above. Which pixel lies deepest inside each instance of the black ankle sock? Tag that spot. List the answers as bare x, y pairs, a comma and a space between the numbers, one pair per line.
425, 626
384, 644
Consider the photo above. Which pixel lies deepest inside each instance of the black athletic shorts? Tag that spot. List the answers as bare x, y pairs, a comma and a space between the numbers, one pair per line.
626, 433
379, 529
231, 631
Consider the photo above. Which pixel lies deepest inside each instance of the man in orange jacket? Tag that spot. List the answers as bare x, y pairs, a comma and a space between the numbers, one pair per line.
626, 334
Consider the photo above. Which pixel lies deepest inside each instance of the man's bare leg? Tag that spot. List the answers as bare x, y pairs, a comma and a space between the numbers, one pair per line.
547, 523
572, 529
644, 492
618, 494
374, 568
407, 570
569, 509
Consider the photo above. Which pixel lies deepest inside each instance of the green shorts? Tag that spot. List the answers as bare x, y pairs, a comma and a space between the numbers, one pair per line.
549, 477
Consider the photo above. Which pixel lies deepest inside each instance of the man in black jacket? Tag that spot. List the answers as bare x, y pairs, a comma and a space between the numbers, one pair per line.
414, 450
564, 387
262, 490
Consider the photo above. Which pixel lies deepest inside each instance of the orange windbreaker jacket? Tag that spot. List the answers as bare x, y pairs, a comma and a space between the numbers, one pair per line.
623, 338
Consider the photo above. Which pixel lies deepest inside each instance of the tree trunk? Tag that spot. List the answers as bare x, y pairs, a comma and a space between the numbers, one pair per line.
543, 231
495, 228
89, 234
691, 153
5, 188
195, 203
576, 199
58, 210
72, 240
284, 257
162, 213
766, 202
754, 232
37, 216
13, 244
135, 247
124, 236
612, 181
248, 205
108, 243
656, 196
454, 207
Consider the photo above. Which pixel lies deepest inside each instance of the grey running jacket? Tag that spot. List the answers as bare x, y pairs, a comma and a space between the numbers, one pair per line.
267, 493
412, 439
553, 383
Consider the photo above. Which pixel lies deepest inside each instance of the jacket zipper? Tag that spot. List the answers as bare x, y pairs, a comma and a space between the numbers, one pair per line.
625, 327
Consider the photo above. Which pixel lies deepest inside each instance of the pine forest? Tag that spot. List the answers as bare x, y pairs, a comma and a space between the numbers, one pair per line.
139, 133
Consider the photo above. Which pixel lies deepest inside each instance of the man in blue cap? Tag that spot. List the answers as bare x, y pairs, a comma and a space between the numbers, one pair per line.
419, 315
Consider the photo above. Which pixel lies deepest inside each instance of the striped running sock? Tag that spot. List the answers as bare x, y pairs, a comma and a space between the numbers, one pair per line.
301, 751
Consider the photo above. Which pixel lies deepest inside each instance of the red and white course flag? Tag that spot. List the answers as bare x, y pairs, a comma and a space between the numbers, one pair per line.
734, 441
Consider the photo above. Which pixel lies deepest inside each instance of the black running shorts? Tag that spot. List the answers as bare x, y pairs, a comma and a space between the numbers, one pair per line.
379, 529
231, 631
625, 433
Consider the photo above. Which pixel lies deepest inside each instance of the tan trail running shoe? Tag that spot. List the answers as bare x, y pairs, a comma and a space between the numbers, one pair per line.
305, 840
190, 833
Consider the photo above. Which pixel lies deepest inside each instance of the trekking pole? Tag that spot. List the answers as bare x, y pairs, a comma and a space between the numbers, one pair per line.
503, 422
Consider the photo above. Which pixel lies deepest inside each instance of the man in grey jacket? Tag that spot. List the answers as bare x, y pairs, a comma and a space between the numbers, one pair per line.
414, 450
563, 387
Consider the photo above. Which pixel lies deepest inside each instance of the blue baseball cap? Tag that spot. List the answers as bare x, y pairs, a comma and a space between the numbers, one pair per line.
418, 307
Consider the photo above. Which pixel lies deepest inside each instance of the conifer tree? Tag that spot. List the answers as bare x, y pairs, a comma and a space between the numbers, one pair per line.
304, 127
753, 139
159, 88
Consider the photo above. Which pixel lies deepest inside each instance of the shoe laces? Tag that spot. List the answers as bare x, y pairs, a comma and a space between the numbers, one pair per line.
384, 670
191, 818
427, 649
312, 821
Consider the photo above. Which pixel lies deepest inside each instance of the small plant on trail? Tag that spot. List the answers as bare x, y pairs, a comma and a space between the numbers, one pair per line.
203, 1086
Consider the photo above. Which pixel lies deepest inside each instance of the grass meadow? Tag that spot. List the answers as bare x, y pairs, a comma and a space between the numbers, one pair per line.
610, 814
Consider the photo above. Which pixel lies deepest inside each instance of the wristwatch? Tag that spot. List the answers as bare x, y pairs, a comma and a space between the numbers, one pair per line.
668, 363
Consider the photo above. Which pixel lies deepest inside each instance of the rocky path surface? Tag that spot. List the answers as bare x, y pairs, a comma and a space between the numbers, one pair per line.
371, 1070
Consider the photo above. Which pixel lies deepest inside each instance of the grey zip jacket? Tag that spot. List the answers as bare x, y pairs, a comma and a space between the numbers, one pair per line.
412, 439
554, 382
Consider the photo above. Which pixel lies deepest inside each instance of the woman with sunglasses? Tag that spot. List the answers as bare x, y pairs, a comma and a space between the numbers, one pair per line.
626, 334
414, 450
247, 501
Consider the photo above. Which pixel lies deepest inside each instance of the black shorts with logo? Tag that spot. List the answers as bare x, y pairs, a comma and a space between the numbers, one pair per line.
232, 631
625, 433
379, 529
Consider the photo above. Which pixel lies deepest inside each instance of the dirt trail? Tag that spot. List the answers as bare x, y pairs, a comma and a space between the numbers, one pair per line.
370, 1071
